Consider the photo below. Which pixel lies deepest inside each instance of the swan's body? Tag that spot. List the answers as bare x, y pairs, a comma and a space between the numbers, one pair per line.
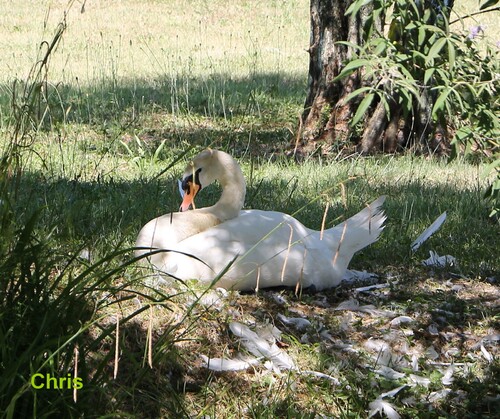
275, 249
267, 248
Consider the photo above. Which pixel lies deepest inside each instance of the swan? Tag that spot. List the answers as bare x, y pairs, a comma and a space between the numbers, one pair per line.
166, 231
252, 248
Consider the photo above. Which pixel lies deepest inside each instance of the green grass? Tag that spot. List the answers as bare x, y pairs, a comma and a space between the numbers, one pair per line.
103, 162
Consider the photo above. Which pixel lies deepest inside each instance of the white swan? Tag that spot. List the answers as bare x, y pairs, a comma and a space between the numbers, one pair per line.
267, 248
166, 231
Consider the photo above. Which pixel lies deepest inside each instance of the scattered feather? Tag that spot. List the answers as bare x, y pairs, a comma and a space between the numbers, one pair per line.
269, 332
419, 380
305, 339
371, 287
401, 319
436, 396
409, 401
212, 299
377, 345
431, 353
380, 406
296, 322
383, 354
437, 261
85, 254
345, 322
321, 375
428, 232
257, 346
486, 354
351, 276
279, 299
389, 373
222, 364
433, 330
325, 334
493, 338
353, 305
414, 363
321, 301
393, 392
447, 378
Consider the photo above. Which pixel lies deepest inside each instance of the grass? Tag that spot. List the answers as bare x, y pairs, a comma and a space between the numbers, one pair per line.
126, 100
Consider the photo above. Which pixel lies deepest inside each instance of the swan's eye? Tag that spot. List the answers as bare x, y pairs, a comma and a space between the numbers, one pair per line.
189, 179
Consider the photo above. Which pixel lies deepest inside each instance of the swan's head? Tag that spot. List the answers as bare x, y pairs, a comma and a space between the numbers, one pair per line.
201, 172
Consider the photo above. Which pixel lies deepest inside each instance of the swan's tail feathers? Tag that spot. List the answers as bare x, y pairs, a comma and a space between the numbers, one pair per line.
359, 231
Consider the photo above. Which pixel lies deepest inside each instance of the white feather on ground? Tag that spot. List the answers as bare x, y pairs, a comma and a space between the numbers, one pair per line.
428, 232
296, 322
257, 346
222, 364
353, 305
439, 261
382, 407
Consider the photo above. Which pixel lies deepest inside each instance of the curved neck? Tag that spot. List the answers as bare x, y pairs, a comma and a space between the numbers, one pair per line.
233, 189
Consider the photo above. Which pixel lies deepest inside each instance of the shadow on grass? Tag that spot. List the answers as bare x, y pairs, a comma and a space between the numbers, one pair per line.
217, 96
452, 316
109, 212
104, 213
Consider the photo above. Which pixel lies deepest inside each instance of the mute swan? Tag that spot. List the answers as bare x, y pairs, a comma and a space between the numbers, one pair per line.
169, 229
268, 248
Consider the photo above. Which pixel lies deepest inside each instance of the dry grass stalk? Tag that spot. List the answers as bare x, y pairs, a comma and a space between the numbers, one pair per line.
324, 221
287, 252
340, 242
76, 352
117, 347
150, 338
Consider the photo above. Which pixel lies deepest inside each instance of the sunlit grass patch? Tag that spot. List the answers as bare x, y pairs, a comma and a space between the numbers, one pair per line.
126, 99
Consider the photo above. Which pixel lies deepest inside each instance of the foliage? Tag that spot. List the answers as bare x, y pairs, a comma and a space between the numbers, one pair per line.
421, 65
61, 293
58, 308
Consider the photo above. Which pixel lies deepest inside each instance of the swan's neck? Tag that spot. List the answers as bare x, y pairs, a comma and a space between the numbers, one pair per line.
230, 202
233, 190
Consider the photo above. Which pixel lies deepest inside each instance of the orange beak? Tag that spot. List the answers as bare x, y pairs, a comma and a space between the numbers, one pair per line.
188, 200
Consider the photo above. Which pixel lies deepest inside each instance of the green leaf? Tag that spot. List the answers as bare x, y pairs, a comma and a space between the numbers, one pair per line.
354, 7
356, 93
351, 67
440, 102
436, 49
158, 150
451, 54
362, 108
421, 35
428, 75
459, 99
380, 48
488, 3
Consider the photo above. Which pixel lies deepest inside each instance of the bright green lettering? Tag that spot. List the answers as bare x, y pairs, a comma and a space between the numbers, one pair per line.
51, 381
33, 377
77, 383
62, 380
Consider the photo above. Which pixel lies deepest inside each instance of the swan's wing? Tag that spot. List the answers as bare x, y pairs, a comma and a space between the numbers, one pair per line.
269, 244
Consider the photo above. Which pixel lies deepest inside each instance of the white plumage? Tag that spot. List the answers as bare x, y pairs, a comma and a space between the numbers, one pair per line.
267, 248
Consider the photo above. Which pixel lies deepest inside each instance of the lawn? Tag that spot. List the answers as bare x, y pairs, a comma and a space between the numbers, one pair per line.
134, 90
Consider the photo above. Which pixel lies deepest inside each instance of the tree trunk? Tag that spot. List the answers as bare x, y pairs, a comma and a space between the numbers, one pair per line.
325, 121
326, 117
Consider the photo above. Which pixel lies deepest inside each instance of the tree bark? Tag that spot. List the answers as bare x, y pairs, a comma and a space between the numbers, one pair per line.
325, 121
325, 117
